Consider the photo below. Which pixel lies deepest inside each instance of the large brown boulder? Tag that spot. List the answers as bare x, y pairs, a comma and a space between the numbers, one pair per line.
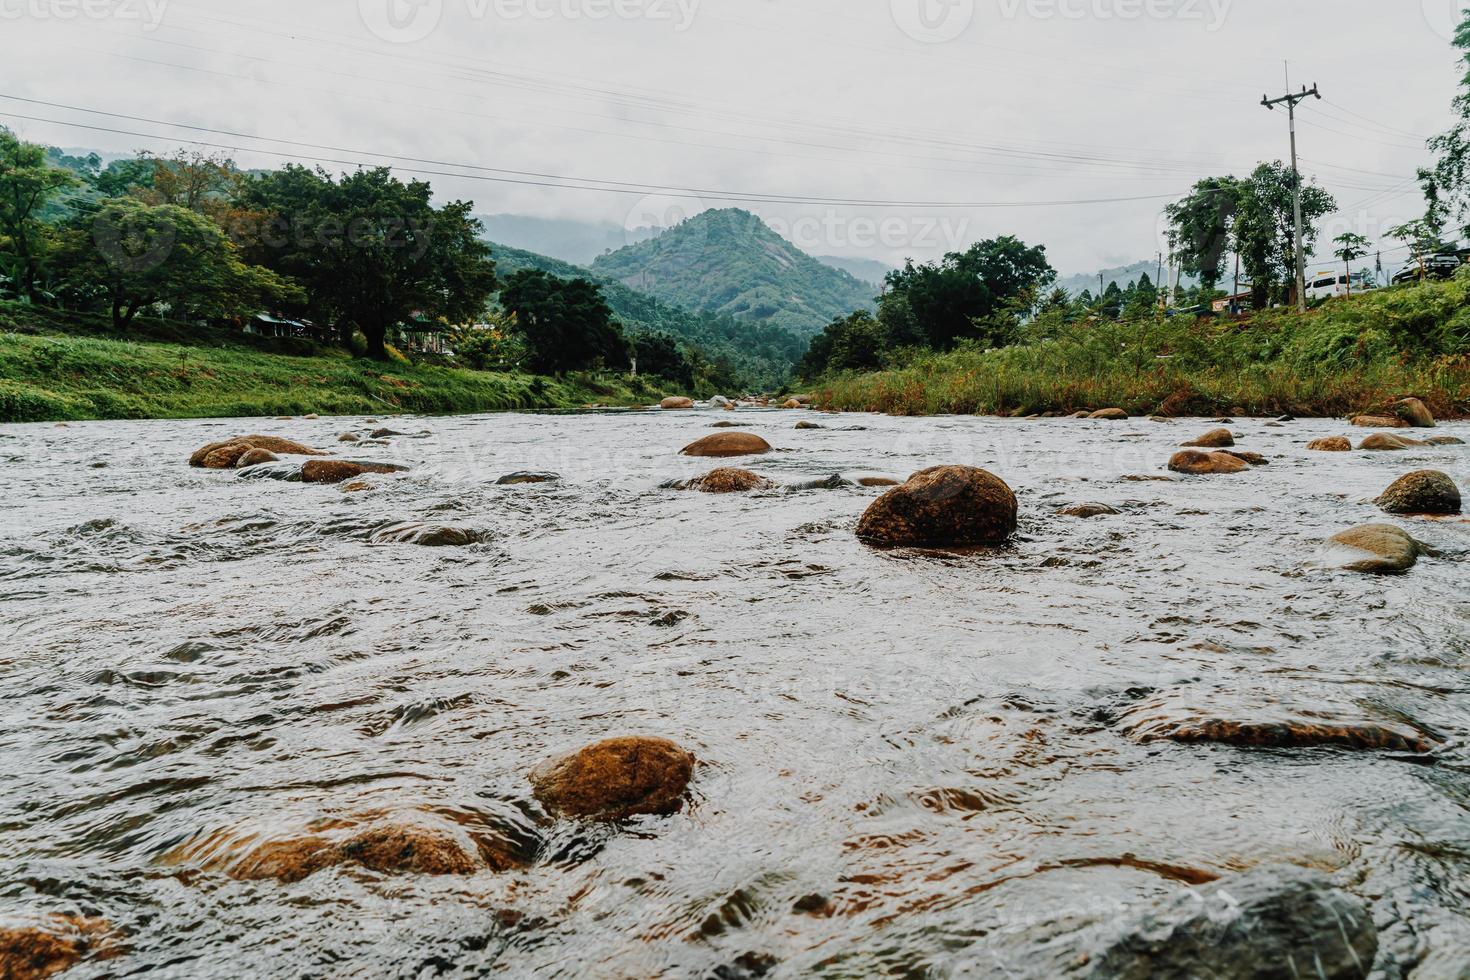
1379, 422
676, 402
1378, 549
792, 403
224, 455
1332, 444
1382, 442
1415, 412
616, 778
726, 444
945, 506
1424, 492
1214, 439
255, 457
727, 480
46, 946
1196, 463
340, 470
1110, 415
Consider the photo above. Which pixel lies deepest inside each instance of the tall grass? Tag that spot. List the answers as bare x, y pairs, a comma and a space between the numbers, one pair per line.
49, 377
1350, 356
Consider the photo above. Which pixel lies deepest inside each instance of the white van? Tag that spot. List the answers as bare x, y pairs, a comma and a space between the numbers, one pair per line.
1325, 284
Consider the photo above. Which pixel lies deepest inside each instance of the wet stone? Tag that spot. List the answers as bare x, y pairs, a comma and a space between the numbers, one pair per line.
615, 778
945, 506
1424, 492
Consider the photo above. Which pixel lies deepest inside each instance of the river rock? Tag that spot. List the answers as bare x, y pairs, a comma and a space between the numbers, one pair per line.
1087, 510
1379, 422
1444, 441
945, 506
1110, 415
339, 470
428, 535
726, 444
726, 480
348, 437
520, 479
1197, 463
725, 425
1415, 412
809, 425
1381, 442
615, 778
286, 471
1332, 444
38, 948
878, 481
720, 401
416, 845
224, 455
834, 482
1254, 459
256, 457
1423, 492
1189, 715
1374, 549
1084, 414
676, 402
1271, 923
1214, 439
792, 403
384, 434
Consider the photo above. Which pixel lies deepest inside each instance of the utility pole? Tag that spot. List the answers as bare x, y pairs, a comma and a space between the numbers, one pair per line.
1296, 197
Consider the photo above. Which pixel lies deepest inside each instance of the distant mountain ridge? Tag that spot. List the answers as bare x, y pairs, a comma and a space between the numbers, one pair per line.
870, 271
1122, 275
730, 262
569, 240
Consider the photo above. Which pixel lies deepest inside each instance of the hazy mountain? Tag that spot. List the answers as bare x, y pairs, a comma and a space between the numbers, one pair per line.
763, 354
571, 241
731, 262
1122, 276
870, 271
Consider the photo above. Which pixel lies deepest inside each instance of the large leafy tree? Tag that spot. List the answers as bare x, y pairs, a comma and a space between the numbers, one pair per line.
1200, 227
27, 183
132, 256
567, 324
967, 295
370, 250
1447, 183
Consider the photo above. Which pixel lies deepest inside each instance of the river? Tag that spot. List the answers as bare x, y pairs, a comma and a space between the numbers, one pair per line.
910, 763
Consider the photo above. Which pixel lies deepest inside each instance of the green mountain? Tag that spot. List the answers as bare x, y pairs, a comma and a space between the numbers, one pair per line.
870, 271
761, 355
730, 262
1122, 276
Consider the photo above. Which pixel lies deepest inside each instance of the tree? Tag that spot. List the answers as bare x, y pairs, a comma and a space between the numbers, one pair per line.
974, 294
134, 255
658, 354
370, 250
566, 323
1266, 227
1200, 228
1350, 246
1447, 184
1421, 238
27, 183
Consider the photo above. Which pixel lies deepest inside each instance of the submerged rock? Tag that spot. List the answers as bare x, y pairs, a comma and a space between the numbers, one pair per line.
945, 506
224, 455
285, 471
1331, 444
1214, 439
1444, 441
1423, 492
1198, 463
1383, 443
1379, 422
1271, 923
615, 778
339, 470
33, 949
792, 403
1415, 412
418, 844
1254, 459
725, 444
809, 425
725, 425
834, 482
726, 480
1373, 548
1191, 715
1087, 510
878, 481
676, 402
520, 479
1110, 415
428, 535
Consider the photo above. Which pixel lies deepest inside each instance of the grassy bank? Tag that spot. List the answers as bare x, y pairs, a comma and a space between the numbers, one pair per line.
56, 367
1352, 355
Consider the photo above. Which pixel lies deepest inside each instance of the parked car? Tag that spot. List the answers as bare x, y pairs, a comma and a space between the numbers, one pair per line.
1325, 284
1442, 265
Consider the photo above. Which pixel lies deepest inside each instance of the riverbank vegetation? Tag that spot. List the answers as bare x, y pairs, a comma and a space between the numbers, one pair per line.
1350, 355
63, 366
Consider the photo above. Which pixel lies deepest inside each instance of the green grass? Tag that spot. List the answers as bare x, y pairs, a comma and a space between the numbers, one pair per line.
1351, 356
59, 367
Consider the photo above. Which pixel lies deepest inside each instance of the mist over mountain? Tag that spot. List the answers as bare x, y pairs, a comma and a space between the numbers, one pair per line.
569, 240
730, 262
1122, 275
870, 271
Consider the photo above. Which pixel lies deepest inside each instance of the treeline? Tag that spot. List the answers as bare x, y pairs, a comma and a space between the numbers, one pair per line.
193, 239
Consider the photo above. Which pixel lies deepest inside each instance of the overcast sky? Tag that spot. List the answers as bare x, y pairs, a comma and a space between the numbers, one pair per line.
780, 106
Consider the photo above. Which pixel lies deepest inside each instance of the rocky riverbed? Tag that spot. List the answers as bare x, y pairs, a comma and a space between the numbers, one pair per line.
502, 695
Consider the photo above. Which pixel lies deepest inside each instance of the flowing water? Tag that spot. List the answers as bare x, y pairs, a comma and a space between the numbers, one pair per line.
910, 763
